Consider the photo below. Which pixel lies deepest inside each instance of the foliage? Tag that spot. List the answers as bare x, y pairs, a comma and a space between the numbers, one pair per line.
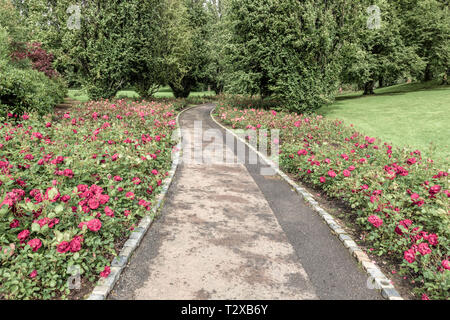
21, 88
399, 199
426, 25
287, 49
41, 60
71, 187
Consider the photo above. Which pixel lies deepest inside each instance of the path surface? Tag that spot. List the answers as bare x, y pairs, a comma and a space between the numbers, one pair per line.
227, 232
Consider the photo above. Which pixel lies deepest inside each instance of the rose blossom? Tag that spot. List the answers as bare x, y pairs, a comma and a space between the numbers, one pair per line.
23, 235
35, 244
375, 221
424, 249
410, 255
75, 245
63, 247
445, 264
105, 273
94, 225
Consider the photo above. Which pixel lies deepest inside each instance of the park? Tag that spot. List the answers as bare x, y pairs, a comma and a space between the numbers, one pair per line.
224, 150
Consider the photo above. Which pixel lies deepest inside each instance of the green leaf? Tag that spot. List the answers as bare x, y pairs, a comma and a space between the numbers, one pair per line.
35, 227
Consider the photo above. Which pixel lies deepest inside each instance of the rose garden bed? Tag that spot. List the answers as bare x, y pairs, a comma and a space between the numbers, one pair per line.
72, 187
398, 199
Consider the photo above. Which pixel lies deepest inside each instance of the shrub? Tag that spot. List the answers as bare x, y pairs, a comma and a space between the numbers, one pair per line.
27, 90
70, 188
41, 59
400, 200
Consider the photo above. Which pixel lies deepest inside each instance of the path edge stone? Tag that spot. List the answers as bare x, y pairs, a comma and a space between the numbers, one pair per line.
105, 285
378, 279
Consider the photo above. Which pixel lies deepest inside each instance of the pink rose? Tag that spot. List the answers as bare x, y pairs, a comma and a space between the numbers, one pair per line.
424, 249
63, 247
33, 274
109, 212
93, 203
23, 235
75, 245
35, 244
410, 255
332, 174
105, 273
323, 179
375, 221
94, 225
446, 264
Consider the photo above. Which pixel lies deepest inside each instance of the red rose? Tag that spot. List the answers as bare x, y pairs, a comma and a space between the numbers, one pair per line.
94, 225
75, 245
109, 212
410, 255
14, 224
424, 249
93, 203
23, 235
105, 273
446, 264
63, 247
375, 221
35, 244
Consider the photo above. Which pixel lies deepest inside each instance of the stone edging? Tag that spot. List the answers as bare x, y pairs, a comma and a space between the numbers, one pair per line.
379, 280
105, 285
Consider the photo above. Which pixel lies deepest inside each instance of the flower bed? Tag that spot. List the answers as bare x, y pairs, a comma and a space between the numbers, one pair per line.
72, 187
400, 200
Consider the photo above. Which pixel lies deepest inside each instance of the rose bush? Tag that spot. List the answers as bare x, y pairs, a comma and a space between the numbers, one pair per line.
64, 190
397, 197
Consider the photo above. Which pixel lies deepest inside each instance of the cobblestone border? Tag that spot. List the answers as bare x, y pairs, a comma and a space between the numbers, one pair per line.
379, 280
105, 285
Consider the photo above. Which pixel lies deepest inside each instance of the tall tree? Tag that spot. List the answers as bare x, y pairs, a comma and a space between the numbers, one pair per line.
287, 49
111, 44
426, 25
380, 51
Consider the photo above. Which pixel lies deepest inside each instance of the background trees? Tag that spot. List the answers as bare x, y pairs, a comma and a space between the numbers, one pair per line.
379, 52
296, 52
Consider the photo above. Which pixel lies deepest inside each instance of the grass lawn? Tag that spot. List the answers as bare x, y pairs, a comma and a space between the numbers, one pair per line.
164, 92
415, 115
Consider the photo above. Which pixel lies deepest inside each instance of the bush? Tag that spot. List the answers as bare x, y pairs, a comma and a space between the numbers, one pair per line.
27, 90
400, 200
83, 183
41, 60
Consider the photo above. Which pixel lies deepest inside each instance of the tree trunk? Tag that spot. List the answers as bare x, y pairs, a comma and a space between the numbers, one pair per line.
428, 73
445, 77
368, 87
380, 82
184, 90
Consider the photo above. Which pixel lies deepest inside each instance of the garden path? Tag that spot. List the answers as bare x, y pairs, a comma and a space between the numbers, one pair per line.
228, 232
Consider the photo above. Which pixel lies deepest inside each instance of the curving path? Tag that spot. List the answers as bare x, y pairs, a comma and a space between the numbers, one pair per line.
227, 232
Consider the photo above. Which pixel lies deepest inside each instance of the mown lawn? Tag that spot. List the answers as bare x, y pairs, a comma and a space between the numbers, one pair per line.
164, 92
415, 115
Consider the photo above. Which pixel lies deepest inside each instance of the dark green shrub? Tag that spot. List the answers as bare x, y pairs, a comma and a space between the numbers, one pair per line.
27, 90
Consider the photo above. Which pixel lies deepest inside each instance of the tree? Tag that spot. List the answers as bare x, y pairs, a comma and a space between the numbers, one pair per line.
426, 25
116, 43
380, 51
195, 60
289, 50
